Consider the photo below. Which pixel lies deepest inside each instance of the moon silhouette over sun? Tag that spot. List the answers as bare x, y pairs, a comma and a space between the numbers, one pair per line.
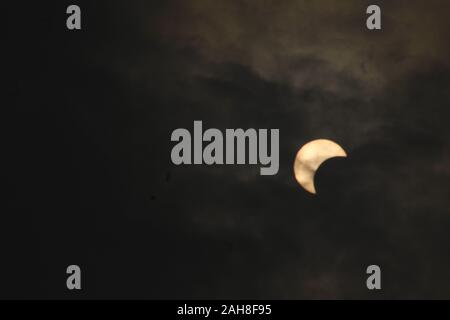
310, 157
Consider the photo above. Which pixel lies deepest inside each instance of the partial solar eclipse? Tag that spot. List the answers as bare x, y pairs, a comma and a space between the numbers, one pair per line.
310, 157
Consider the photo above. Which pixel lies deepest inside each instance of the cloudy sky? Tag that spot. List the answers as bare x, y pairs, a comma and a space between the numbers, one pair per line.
87, 150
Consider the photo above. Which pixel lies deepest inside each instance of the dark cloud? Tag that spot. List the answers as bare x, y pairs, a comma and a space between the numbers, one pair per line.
90, 179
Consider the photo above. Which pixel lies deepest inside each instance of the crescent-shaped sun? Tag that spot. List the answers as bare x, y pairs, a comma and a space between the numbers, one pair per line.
310, 157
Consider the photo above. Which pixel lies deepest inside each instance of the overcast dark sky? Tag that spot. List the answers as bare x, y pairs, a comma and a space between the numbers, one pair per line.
86, 127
